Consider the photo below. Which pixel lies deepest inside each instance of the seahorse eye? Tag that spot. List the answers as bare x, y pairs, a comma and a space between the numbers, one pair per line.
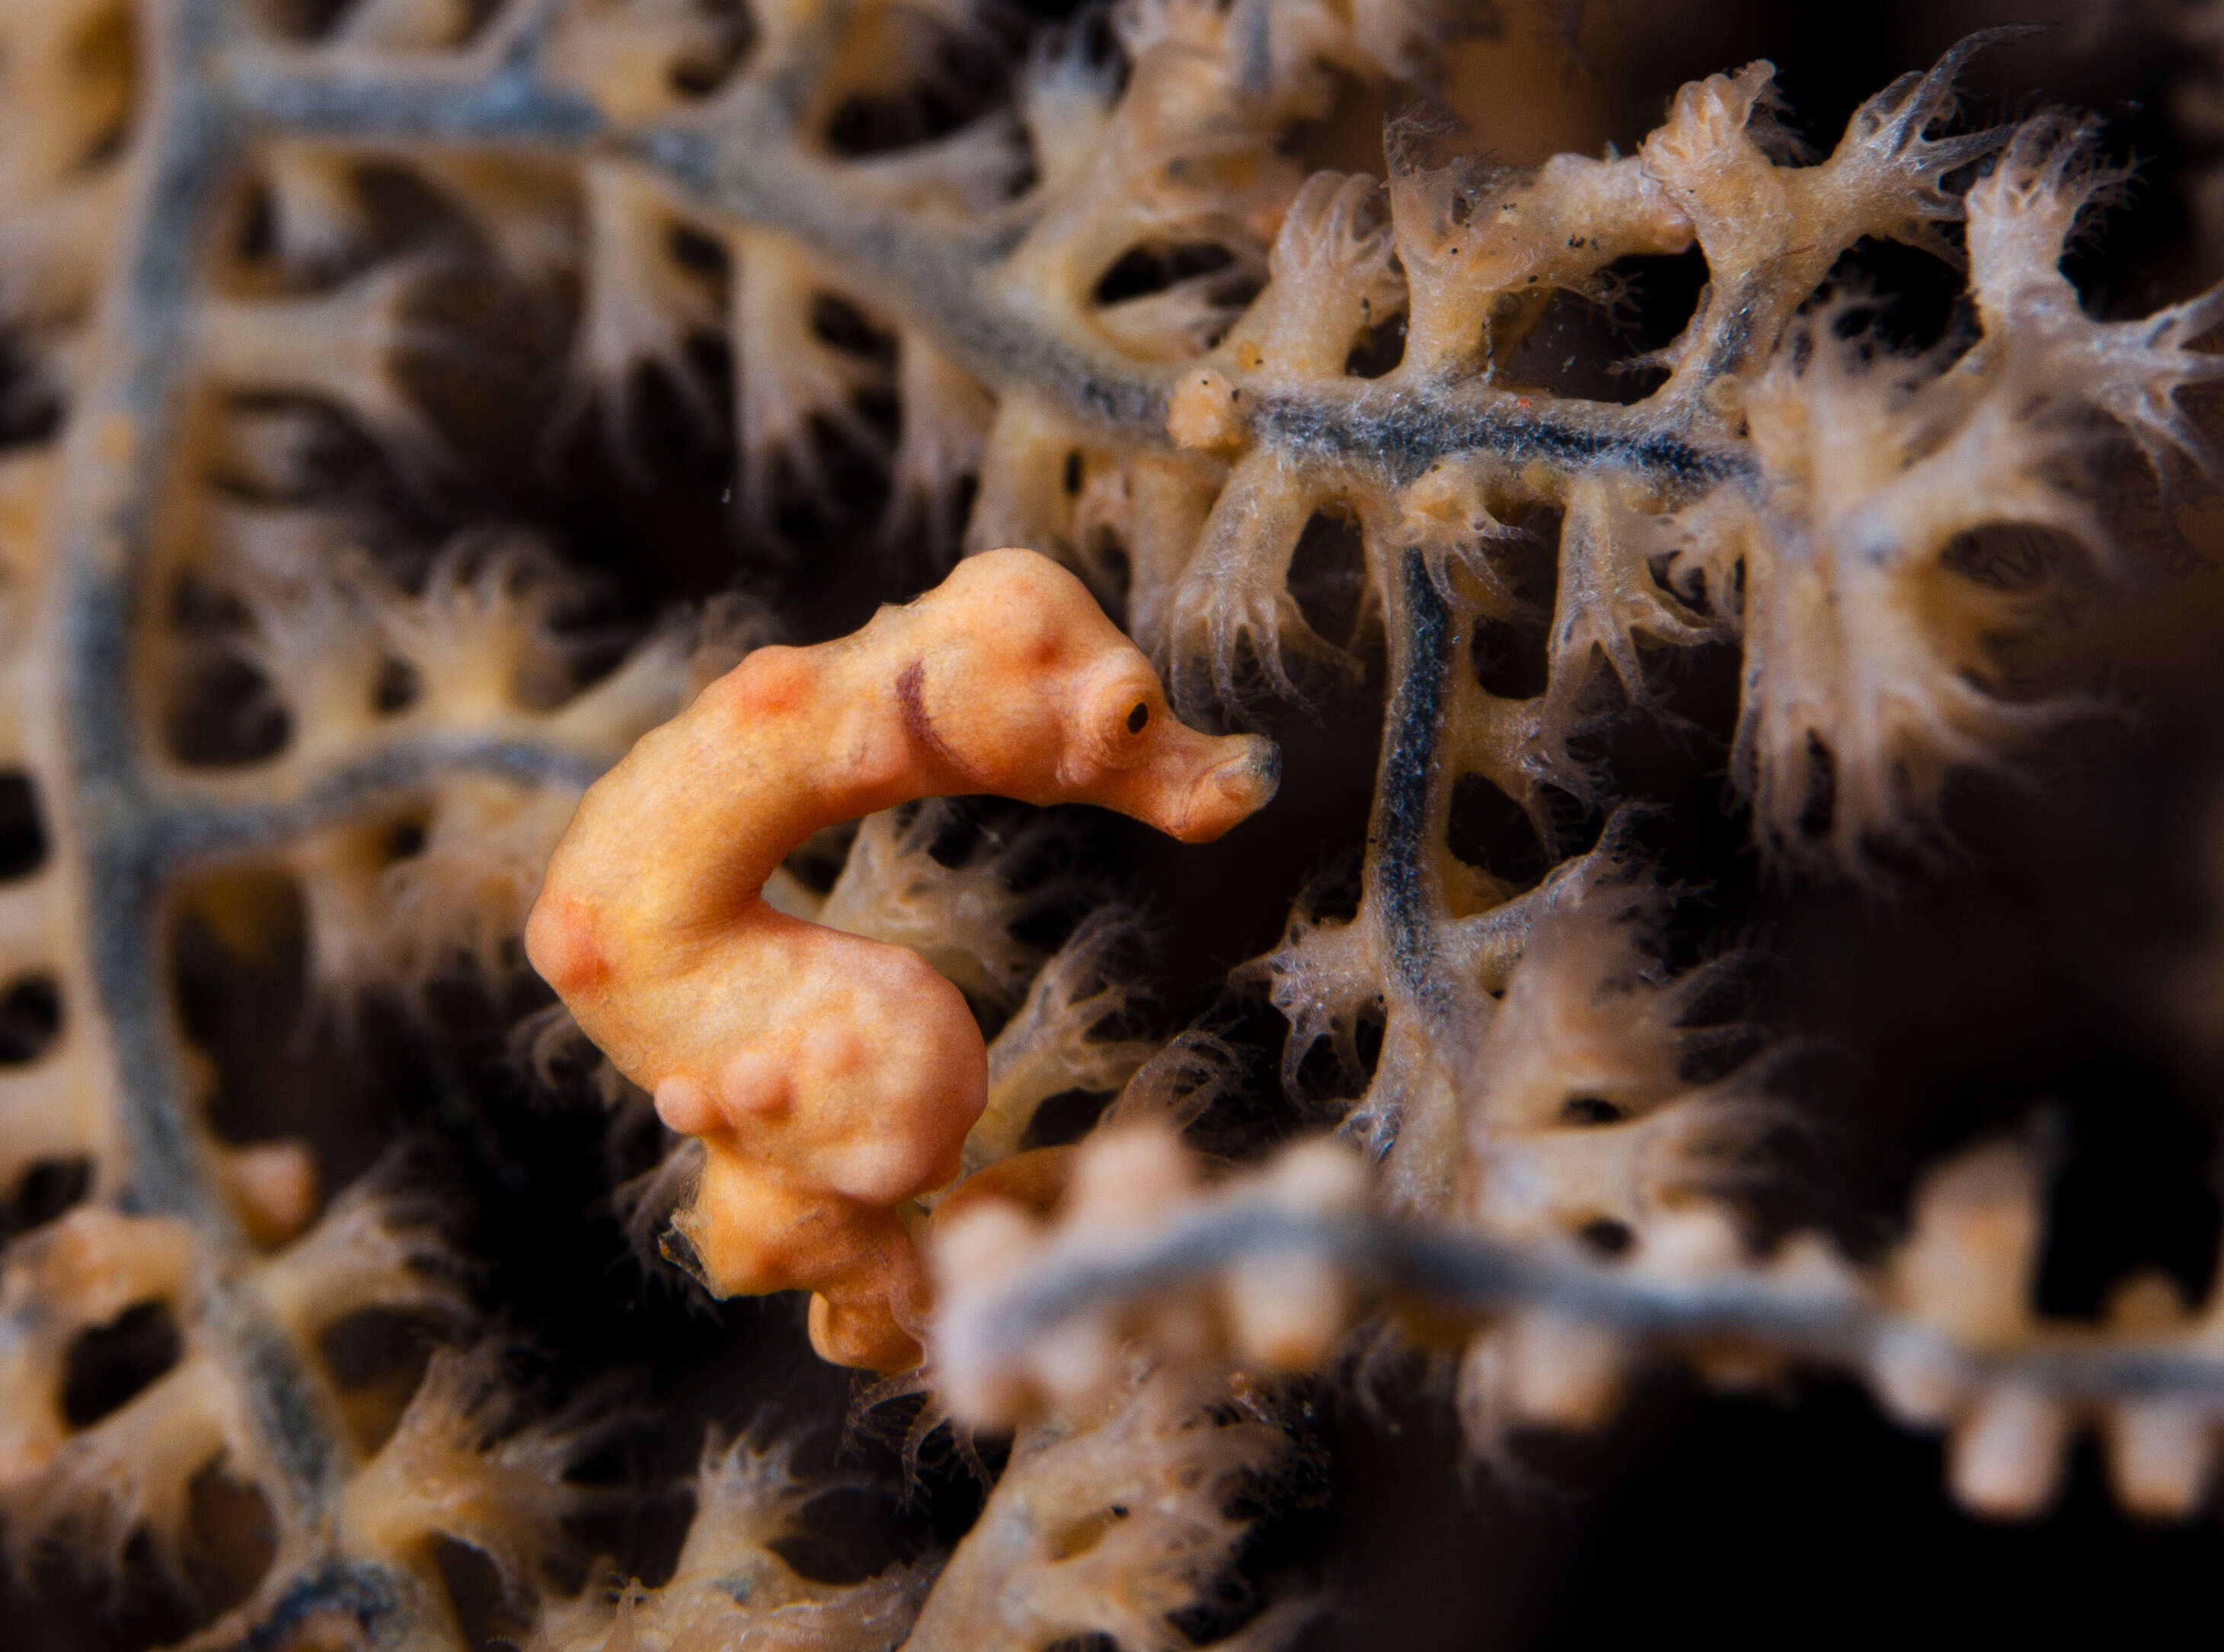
1138, 718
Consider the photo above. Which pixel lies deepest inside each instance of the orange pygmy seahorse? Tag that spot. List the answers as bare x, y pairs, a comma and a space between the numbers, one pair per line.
831, 1078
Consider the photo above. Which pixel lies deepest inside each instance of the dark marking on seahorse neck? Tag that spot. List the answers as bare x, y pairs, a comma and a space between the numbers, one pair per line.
920, 727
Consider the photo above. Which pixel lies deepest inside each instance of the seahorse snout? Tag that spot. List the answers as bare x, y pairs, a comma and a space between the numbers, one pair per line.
1230, 789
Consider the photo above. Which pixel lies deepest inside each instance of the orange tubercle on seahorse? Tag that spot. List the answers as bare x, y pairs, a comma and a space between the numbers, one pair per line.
831, 1078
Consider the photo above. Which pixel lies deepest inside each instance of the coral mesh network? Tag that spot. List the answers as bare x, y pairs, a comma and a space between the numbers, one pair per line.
462, 460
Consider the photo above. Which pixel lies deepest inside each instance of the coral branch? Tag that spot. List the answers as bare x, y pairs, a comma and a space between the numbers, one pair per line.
732, 1580
1107, 1522
1030, 1311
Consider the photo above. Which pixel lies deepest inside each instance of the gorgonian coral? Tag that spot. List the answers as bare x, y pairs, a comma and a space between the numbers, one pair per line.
300, 670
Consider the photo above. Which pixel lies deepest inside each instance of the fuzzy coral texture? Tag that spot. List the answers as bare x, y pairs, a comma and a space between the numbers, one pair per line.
1729, 571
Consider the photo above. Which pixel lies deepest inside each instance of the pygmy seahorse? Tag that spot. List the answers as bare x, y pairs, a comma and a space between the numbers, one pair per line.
831, 1078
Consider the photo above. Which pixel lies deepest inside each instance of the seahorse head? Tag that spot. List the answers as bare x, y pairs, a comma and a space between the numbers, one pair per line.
1047, 701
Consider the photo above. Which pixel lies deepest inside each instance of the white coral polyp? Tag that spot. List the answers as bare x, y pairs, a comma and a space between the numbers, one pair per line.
2021, 217
1869, 670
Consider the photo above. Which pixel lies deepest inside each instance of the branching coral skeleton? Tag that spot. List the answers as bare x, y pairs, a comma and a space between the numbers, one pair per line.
1270, 1272
1796, 489
747, 1497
